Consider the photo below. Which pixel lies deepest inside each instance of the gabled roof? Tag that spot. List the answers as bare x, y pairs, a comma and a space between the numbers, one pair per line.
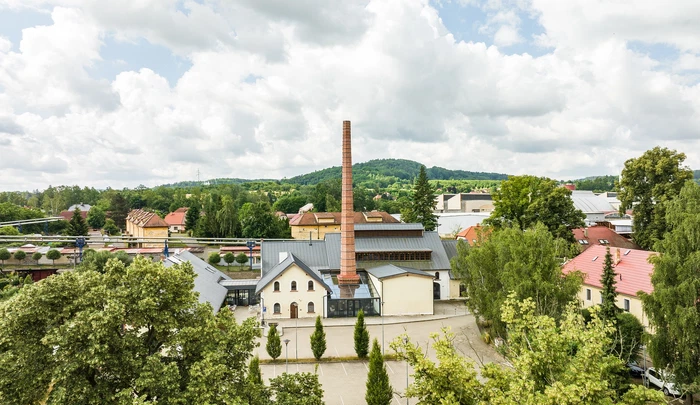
601, 235
280, 268
590, 203
312, 218
312, 253
68, 215
206, 281
145, 219
176, 217
390, 270
471, 234
633, 271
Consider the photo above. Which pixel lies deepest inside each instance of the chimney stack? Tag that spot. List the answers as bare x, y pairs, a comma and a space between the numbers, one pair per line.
616, 260
348, 268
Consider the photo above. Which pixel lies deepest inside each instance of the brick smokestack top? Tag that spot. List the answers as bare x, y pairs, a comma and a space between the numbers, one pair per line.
348, 267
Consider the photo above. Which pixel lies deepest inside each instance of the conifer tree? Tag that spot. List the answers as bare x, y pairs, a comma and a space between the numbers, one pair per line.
379, 391
256, 392
422, 204
609, 309
77, 225
361, 336
274, 345
318, 340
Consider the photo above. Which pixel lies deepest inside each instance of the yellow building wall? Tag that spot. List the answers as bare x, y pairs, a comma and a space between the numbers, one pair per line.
317, 231
285, 296
635, 303
406, 295
454, 289
154, 233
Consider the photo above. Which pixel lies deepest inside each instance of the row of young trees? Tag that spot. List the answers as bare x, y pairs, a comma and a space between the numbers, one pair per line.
20, 255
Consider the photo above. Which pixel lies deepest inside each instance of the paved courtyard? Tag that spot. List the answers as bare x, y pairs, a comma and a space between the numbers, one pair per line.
344, 382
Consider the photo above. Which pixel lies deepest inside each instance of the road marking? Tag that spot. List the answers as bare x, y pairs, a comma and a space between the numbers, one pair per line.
341, 400
390, 369
346, 371
365, 364
320, 368
274, 370
397, 399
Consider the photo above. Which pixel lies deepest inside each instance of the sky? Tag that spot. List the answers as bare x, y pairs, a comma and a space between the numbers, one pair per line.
122, 93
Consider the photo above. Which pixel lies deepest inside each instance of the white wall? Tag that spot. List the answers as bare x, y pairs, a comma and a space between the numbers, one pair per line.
285, 296
407, 294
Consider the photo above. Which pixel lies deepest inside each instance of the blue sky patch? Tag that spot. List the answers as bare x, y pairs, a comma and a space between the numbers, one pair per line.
12, 22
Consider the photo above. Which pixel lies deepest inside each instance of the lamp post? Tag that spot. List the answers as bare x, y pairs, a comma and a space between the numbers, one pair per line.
286, 355
296, 332
405, 341
381, 309
250, 244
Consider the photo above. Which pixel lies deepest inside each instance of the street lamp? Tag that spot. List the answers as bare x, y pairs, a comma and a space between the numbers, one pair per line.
250, 244
381, 309
405, 341
286, 355
296, 332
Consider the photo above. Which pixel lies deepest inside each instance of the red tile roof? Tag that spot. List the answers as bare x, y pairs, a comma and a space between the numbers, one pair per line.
145, 219
633, 271
594, 234
68, 215
471, 234
311, 218
176, 217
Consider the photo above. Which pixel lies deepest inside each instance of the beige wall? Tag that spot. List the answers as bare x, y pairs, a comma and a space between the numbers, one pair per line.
161, 232
317, 231
454, 289
406, 294
635, 303
285, 296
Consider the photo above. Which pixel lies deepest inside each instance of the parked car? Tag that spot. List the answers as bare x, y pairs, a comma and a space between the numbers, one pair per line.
635, 369
662, 380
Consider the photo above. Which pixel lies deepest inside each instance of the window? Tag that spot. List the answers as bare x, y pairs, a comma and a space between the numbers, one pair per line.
294, 285
310, 308
311, 285
277, 286
277, 308
627, 305
588, 294
437, 275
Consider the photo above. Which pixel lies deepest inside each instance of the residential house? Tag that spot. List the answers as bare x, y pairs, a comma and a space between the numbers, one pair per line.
473, 234
464, 202
601, 235
176, 220
144, 225
315, 225
633, 275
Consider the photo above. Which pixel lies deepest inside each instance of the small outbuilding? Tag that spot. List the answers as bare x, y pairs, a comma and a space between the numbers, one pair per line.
404, 290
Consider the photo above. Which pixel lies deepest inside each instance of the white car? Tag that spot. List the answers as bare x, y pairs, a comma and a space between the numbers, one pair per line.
662, 380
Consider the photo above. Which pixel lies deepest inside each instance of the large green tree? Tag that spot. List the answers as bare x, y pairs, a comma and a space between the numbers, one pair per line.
297, 389
133, 335
96, 217
674, 305
550, 363
422, 203
192, 217
379, 391
523, 201
647, 185
510, 260
77, 225
258, 221
96, 260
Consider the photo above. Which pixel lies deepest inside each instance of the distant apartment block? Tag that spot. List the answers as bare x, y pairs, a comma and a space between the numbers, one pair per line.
464, 202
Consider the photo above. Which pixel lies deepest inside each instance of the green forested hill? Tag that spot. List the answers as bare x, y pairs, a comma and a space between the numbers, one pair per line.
391, 170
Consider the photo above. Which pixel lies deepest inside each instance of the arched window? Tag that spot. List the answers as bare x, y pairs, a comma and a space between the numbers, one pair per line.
311, 285
437, 275
310, 308
277, 286
294, 285
277, 308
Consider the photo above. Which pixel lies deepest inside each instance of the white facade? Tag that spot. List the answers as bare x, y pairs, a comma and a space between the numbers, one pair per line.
406, 294
289, 289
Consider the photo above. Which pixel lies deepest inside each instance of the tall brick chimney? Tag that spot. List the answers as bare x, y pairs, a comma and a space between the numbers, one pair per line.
348, 267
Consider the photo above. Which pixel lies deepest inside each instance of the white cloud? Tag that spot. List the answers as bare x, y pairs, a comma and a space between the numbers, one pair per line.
270, 84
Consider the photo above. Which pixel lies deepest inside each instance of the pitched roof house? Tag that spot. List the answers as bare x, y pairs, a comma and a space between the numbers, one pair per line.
601, 235
633, 272
176, 220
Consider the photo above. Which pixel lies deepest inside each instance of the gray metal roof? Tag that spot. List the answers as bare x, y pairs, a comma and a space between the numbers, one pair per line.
240, 283
391, 270
388, 227
312, 253
590, 203
206, 281
429, 241
450, 248
284, 265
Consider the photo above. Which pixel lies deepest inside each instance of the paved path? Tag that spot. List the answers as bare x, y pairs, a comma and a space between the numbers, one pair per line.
344, 382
